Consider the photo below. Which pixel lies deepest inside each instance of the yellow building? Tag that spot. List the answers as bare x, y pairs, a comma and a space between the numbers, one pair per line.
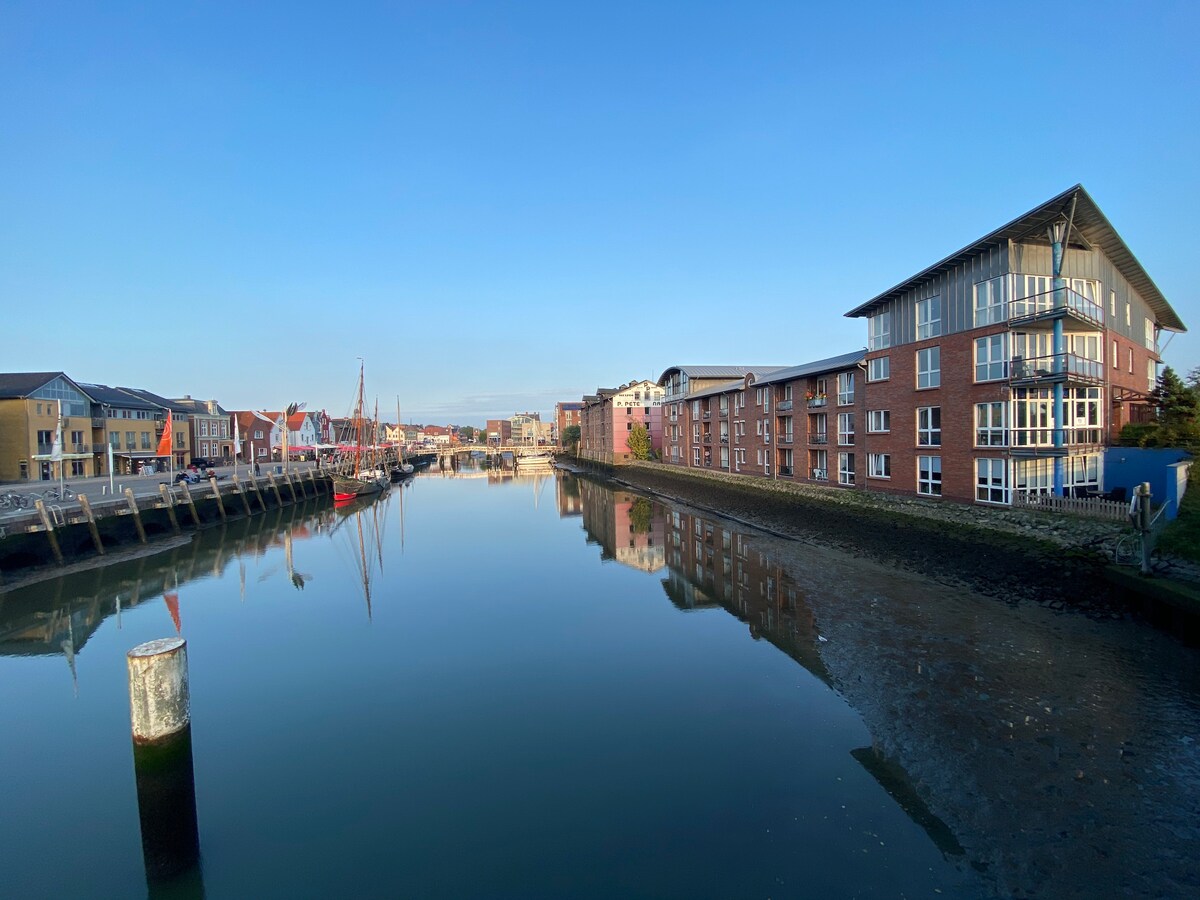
30, 405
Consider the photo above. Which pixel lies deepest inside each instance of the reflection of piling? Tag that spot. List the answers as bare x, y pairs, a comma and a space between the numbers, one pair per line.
160, 716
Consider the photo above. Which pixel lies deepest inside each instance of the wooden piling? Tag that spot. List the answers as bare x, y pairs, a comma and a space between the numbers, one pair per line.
275, 488
300, 481
91, 520
44, 515
217, 494
131, 502
169, 502
160, 718
187, 495
258, 493
237, 486
291, 486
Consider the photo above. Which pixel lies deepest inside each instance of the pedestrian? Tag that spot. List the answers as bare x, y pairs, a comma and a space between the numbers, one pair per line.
257, 470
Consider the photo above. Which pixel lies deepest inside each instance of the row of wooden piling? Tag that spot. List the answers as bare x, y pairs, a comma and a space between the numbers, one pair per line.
296, 485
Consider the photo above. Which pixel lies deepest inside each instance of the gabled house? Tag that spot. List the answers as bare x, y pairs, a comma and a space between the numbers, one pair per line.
181, 424
212, 437
30, 404
1003, 371
609, 417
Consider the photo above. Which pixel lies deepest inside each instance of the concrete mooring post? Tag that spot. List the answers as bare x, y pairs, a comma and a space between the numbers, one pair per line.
160, 717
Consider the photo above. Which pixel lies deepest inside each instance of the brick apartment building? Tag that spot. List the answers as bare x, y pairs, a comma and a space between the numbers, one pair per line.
566, 414
1008, 366
609, 416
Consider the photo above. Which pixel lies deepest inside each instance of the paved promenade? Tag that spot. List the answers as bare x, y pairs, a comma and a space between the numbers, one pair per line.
96, 489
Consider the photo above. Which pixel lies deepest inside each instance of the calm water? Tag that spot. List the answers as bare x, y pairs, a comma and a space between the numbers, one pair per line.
499, 687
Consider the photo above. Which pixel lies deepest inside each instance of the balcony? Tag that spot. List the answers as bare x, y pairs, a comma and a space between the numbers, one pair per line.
1058, 367
43, 449
724, 439
99, 422
820, 474
707, 439
1042, 309
80, 448
707, 414
785, 438
820, 438
785, 471
724, 413
1040, 441
815, 402
783, 405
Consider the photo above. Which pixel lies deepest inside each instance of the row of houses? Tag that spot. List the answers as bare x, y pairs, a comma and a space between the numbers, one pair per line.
1004, 369
127, 425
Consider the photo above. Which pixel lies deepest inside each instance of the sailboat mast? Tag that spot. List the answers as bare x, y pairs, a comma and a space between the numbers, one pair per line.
358, 423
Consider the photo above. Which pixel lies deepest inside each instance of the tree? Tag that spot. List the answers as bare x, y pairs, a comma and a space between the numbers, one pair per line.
571, 435
466, 433
638, 442
1178, 421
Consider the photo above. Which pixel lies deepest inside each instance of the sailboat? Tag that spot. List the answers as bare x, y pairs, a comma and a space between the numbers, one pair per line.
401, 469
358, 480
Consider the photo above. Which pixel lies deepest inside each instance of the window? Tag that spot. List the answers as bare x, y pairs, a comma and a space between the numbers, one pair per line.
258, 434
1151, 340
991, 357
695, 409
203, 428
114, 439
879, 331
991, 481
45, 436
1151, 375
845, 468
695, 432
879, 421
1130, 360
1115, 356
929, 476
929, 318
879, 465
77, 468
845, 382
130, 440
929, 367
1112, 306
929, 426
629, 426
991, 420
989, 301
879, 368
145, 440
845, 428
695, 456
1128, 314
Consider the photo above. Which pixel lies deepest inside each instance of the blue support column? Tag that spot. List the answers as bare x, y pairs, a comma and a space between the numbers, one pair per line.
1059, 365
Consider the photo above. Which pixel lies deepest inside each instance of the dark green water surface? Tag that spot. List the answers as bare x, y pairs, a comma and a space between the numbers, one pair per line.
545, 688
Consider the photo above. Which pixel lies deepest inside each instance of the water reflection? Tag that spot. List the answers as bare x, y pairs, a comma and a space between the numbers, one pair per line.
1058, 754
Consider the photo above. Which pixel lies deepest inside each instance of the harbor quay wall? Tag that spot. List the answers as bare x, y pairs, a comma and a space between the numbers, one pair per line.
26, 544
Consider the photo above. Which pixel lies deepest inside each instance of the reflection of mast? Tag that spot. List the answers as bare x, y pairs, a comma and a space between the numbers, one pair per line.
362, 553
69, 652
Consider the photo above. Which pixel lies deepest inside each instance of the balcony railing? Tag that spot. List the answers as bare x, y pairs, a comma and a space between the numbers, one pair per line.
1055, 367
99, 422
846, 439
818, 437
724, 439
820, 474
724, 413
785, 437
786, 471
707, 439
44, 448
783, 405
1054, 303
1040, 441
81, 448
814, 402
707, 414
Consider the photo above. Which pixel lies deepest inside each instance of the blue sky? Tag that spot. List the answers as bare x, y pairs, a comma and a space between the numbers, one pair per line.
500, 205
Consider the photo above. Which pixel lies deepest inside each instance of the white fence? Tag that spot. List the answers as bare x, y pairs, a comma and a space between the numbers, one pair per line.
1091, 507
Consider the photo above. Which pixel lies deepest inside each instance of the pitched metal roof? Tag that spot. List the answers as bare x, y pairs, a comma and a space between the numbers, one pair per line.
729, 372
111, 396
15, 385
161, 402
1091, 229
830, 364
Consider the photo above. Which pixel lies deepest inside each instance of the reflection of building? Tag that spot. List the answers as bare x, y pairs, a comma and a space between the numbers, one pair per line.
712, 565
628, 527
566, 492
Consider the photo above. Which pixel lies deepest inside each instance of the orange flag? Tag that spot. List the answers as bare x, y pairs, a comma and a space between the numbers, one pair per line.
164, 443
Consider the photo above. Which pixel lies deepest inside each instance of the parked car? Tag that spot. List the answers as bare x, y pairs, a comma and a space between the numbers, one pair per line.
201, 462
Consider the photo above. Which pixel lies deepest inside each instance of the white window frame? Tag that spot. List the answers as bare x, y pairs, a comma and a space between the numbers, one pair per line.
879, 465
879, 421
989, 488
990, 301
879, 330
929, 426
991, 424
879, 368
991, 358
1116, 355
845, 435
929, 317
929, 482
845, 386
846, 468
930, 373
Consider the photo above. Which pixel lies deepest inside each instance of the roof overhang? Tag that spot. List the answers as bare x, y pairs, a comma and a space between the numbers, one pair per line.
1091, 231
